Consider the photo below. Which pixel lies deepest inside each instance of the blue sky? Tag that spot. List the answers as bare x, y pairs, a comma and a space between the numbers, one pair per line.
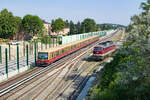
103, 11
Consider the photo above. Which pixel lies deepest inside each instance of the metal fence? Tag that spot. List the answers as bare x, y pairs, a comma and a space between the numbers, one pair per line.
23, 55
72, 38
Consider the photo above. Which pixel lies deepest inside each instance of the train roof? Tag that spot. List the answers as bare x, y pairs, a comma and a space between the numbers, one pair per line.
66, 45
105, 44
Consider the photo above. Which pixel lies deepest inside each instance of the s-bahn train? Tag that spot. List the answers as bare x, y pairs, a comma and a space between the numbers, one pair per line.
103, 49
46, 57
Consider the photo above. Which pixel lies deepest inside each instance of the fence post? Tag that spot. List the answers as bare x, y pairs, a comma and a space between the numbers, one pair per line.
23, 48
53, 41
0, 54
56, 40
41, 45
37, 46
30, 47
35, 53
46, 43
18, 58
6, 61
27, 55
49, 42
9, 52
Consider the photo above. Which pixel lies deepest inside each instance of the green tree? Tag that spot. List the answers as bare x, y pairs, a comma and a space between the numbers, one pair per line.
67, 23
9, 24
53, 25
127, 77
88, 25
78, 27
72, 28
145, 6
32, 24
58, 25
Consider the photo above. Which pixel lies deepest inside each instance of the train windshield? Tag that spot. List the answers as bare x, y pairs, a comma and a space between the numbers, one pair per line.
42, 55
96, 49
100, 49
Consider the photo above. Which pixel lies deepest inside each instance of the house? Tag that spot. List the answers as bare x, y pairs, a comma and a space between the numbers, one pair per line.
65, 31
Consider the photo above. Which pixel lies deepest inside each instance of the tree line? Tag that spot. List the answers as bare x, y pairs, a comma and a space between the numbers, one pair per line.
88, 25
127, 77
10, 25
108, 26
32, 25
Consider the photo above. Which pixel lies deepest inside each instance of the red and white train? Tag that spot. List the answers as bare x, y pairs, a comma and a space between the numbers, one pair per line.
103, 49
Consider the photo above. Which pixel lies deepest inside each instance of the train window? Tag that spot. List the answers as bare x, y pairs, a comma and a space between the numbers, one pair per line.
57, 53
50, 56
71, 48
63, 51
60, 52
53, 55
42, 55
66, 49
95, 49
100, 49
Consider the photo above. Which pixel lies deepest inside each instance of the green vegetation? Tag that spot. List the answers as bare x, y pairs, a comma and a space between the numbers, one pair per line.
127, 77
32, 24
58, 25
88, 25
9, 24
108, 26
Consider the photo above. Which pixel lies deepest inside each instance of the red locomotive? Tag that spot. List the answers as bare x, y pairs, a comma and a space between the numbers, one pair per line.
103, 49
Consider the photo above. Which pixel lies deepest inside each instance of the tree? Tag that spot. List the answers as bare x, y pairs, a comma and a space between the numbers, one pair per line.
78, 27
127, 76
88, 25
67, 23
72, 28
9, 24
52, 25
18, 21
58, 25
145, 6
32, 24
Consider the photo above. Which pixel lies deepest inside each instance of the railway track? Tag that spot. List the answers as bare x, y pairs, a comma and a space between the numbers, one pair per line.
48, 69
70, 83
40, 77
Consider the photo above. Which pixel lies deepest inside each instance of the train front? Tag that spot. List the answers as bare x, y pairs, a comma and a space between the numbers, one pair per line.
42, 59
98, 52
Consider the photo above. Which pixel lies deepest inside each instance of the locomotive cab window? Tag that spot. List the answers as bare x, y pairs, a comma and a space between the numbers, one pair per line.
100, 49
42, 55
95, 49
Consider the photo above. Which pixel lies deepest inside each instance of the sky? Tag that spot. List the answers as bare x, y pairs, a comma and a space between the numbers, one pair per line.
102, 11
